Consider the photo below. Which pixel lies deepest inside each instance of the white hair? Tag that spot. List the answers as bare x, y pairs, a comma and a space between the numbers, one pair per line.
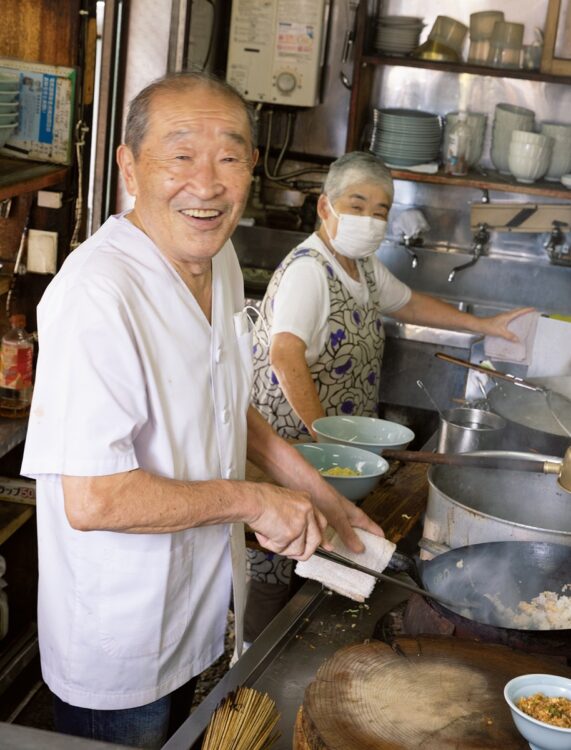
355, 167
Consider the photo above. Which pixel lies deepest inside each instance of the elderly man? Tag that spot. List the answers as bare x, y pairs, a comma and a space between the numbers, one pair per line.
140, 426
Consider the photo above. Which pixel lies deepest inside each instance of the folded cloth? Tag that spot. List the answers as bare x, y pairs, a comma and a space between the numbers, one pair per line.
430, 167
351, 583
520, 351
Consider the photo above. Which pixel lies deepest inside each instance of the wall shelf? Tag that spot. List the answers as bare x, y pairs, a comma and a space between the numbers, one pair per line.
477, 70
18, 176
491, 180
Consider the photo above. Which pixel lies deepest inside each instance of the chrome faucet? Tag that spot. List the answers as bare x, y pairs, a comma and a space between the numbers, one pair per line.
559, 252
408, 243
479, 245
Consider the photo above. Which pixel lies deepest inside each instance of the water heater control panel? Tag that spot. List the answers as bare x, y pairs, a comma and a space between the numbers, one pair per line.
276, 50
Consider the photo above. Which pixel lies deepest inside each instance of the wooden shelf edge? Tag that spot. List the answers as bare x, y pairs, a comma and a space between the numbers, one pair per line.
12, 517
476, 70
19, 176
493, 181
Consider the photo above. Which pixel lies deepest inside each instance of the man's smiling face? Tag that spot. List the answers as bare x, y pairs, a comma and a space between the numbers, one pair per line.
193, 172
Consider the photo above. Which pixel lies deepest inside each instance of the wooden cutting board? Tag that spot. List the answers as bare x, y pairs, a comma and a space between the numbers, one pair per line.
427, 692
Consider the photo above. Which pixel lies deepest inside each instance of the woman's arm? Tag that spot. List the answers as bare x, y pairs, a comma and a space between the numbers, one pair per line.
287, 358
422, 309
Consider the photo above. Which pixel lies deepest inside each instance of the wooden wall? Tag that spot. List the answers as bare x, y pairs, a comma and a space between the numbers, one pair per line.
40, 30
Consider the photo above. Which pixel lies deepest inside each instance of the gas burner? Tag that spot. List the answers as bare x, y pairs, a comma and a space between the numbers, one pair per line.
417, 616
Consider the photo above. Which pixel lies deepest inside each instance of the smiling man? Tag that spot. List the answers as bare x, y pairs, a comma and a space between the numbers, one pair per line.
140, 426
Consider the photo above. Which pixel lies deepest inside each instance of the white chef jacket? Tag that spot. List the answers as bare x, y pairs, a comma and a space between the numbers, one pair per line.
131, 374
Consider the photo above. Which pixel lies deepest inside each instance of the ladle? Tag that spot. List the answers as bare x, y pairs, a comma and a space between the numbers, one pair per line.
421, 385
561, 467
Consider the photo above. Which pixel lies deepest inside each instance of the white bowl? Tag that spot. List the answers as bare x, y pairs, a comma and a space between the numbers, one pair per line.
566, 180
368, 433
370, 466
528, 168
5, 132
526, 136
541, 736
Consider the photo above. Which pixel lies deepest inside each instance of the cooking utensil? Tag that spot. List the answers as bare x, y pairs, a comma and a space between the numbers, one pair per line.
421, 385
470, 505
335, 557
509, 572
495, 461
468, 429
557, 403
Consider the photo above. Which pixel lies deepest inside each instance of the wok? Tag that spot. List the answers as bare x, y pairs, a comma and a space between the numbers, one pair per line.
537, 410
530, 420
512, 571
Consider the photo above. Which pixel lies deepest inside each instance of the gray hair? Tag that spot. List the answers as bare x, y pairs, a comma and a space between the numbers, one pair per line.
138, 115
355, 167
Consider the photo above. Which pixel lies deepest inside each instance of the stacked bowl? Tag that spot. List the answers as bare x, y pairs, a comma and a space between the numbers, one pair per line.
397, 35
9, 107
477, 124
405, 137
507, 118
560, 162
529, 155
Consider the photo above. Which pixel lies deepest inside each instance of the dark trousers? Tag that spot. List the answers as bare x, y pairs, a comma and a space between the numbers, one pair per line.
146, 726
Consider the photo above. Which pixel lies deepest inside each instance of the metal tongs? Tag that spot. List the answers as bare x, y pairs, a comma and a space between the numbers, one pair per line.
337, 558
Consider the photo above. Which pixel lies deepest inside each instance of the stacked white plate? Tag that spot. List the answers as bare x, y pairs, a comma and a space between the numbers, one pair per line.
405, 137
9, 107
397, 35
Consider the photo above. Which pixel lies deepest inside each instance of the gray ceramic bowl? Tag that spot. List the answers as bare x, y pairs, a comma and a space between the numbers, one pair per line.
370, 466
367, 433
541, 736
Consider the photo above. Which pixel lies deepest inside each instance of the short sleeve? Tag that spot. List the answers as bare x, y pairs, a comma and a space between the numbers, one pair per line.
393, 293
89, 398
301, 304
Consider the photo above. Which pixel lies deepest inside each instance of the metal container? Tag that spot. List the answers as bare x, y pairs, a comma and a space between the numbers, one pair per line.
471, 506
463, 430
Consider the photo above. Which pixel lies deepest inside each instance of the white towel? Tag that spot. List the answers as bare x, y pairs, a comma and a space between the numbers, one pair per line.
520, 351
351, 583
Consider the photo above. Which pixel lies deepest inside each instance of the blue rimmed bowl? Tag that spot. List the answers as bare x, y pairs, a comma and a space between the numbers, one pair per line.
323, 456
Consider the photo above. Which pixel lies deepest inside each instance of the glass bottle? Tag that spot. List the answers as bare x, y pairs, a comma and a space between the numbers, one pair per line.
17, 368
456, 157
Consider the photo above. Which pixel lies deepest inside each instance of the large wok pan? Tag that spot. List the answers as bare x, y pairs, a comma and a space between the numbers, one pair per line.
512, 571
529, 407
531, 423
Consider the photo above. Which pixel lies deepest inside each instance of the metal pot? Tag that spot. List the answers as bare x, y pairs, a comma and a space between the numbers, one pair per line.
530, 422
469, 505
463, 430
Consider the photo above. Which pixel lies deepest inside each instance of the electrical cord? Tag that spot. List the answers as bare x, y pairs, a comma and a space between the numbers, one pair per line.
80, 130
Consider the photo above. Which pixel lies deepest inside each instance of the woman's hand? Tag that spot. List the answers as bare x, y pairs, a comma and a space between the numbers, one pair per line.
497, 325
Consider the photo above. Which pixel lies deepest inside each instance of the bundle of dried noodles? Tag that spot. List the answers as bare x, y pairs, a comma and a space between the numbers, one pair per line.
245, 720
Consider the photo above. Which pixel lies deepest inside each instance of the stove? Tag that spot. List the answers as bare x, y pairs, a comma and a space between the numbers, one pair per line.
418, 616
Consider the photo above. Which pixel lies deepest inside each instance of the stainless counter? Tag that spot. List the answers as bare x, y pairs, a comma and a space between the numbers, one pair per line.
286, 657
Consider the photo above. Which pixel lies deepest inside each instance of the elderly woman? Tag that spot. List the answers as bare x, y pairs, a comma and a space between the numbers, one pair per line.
322, 312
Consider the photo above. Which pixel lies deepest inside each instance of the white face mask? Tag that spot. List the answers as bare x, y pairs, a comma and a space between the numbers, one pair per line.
357, 236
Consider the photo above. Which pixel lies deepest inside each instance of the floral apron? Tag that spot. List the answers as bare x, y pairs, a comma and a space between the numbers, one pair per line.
346, 374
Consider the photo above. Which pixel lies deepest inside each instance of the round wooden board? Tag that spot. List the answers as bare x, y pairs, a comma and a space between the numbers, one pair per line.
429, 692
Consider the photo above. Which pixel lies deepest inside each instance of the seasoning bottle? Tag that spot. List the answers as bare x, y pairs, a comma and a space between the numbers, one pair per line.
17, 368
456, 157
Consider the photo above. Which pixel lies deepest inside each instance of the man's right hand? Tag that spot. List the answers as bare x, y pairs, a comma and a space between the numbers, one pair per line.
287, 522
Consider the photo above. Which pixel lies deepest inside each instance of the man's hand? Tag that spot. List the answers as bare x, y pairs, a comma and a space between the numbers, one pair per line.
287, 522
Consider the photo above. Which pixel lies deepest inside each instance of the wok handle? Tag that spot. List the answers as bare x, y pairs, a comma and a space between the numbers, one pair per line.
491, 373
481, 462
